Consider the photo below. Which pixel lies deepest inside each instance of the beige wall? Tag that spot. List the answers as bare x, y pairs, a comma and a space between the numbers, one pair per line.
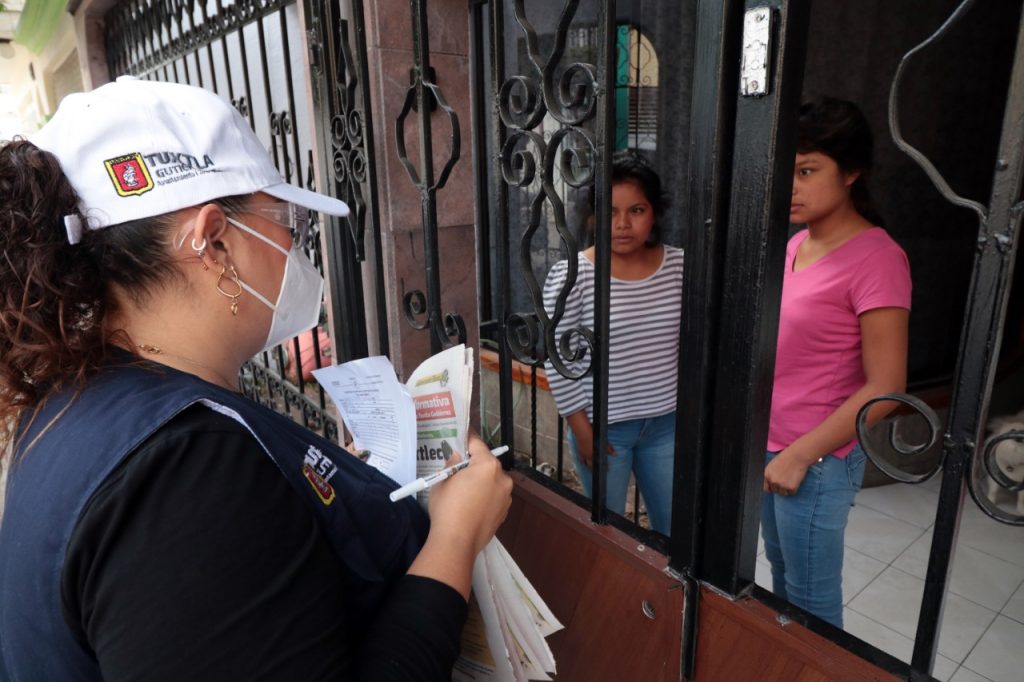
37, 82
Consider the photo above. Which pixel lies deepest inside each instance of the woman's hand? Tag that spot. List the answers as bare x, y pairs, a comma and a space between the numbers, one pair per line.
473, 502
583, 432
465, 513
785, 473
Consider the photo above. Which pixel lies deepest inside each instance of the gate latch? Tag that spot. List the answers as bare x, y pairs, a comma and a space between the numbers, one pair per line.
757, 38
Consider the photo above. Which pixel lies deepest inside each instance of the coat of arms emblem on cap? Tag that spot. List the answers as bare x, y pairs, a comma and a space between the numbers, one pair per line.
130, 174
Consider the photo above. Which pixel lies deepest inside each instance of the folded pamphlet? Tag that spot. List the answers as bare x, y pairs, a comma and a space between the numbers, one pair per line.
405, 429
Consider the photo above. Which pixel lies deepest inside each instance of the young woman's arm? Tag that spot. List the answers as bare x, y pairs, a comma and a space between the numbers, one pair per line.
884, 346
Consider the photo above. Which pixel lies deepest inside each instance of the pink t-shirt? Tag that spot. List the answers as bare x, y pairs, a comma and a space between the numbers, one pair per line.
818, 359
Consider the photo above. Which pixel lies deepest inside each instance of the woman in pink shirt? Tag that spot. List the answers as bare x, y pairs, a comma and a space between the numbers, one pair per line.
842, 341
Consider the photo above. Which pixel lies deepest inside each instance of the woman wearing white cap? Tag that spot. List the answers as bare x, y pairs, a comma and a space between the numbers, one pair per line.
158, 525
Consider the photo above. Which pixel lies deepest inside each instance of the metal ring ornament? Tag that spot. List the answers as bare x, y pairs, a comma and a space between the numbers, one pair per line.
358, 166
339, 129
454, 328
519, 166
572, 95
453, 121
355, 127
522, 332
522, 110
414, 304
576, 168
987, 507
896, 441
992, 467
565, 350
340, 166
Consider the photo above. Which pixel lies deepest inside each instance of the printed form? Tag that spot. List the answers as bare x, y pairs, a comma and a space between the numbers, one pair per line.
378, 412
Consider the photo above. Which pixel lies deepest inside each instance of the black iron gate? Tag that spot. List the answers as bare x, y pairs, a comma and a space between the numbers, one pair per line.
545, 122
250, 52
544, 117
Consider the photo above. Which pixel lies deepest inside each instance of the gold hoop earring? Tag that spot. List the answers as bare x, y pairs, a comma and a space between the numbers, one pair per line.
234, 278
201, 252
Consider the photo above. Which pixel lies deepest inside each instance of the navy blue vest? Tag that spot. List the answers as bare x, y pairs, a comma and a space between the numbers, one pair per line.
375, 539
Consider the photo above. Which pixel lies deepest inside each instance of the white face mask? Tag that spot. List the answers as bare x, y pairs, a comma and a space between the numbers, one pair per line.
302, 289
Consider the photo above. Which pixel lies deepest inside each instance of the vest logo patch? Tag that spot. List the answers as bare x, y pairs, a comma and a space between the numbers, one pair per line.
319, 470
129, 174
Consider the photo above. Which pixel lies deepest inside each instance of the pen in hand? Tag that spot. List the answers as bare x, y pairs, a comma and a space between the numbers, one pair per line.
433, 479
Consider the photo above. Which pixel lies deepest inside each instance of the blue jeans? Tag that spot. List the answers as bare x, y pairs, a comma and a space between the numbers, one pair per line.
803, 534
647, 448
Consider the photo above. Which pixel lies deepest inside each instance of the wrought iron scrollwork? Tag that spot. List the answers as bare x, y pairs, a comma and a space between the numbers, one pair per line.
894, 120
421, 94
144, 34
989, 285
523, 103
348, 133
896, 442
991, 466
455, 140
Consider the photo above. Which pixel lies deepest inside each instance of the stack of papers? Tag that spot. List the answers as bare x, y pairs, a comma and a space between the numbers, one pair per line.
405, 429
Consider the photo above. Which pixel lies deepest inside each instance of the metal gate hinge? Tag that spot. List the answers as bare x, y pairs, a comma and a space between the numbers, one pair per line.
757, 39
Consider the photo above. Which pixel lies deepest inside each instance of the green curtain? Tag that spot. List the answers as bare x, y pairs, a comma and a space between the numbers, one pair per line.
38, 22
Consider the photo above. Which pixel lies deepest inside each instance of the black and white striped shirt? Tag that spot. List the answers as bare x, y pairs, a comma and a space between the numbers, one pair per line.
643, 345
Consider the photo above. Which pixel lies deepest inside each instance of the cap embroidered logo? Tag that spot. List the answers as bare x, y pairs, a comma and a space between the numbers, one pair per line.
129, 174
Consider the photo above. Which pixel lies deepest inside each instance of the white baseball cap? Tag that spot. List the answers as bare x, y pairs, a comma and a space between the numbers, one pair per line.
135, 148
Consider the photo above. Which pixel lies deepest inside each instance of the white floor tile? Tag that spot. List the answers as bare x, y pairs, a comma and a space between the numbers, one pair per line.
894, 598
878, 535
877, 635
909, 503
1015, 608
763, 573
943, 668
858, 572
999, 655
980, 577
998, 539
965, 675
933, 484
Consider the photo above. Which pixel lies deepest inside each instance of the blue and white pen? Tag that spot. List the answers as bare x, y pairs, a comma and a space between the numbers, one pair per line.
433, 479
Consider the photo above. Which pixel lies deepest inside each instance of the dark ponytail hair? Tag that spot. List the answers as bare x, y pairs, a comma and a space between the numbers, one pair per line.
837, 128
55, 298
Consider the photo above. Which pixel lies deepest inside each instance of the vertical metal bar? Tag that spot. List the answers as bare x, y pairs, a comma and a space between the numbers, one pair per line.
250, 109
712, 113
428, 194
209, 47
190, 13
980, 341
265, 70
359, 30
478, 80
605, 144
560, 435
501, 247
224, 55
764, 144
290, 87
533, 416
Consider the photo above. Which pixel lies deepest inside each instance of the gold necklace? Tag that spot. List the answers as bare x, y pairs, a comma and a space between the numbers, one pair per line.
155, 350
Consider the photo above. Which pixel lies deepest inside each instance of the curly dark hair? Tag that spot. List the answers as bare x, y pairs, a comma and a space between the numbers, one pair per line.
55, 297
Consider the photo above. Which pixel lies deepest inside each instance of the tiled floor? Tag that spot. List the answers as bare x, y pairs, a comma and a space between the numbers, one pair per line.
887, 546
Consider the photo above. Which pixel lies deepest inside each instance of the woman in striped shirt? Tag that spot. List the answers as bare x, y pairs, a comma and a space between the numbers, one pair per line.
643, 346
